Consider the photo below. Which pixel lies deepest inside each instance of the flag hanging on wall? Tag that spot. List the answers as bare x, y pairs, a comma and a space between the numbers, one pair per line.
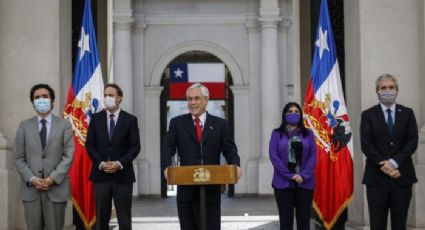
209, 74
326, 114
85, 97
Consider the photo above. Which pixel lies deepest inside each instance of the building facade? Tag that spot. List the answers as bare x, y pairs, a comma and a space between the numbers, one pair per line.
263, 46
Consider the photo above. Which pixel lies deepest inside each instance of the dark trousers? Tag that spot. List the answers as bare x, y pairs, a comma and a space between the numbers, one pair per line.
190, 215
392, 197
290, 199
122, 196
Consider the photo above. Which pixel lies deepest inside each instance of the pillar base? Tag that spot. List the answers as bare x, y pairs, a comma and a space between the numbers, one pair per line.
265, 173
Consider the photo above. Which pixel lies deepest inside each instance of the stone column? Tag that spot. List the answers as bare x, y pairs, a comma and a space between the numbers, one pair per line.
139, 93
123, 58
357, 211
150, 167
242, 119
287, 81
254, 40
416, 218
270, 91
7, 189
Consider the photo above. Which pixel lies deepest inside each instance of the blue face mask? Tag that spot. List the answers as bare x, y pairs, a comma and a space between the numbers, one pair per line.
42, 105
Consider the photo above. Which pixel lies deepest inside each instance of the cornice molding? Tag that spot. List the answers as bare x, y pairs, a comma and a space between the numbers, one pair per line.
195, 19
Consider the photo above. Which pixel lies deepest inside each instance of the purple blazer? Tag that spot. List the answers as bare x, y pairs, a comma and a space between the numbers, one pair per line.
282, 177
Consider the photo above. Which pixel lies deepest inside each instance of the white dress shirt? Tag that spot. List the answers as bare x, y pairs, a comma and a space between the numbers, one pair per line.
48, 124
384, 110
108, 120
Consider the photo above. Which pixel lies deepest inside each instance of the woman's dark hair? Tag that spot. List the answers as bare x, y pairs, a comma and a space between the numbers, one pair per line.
282, 128
42, 86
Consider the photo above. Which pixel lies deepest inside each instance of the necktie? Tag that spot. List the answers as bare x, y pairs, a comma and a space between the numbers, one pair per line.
198, 129
111, 126
43, 133
390, 122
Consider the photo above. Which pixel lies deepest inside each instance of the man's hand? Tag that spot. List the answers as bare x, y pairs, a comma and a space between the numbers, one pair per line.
395, 174
238, 172
37, 183
387, 167
165, 173
47, 183
111, 166
297, 178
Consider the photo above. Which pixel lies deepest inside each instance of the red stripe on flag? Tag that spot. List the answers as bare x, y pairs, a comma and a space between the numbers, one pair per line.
217, 90
81, 187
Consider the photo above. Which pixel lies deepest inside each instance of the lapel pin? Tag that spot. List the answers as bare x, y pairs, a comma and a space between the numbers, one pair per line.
211, 128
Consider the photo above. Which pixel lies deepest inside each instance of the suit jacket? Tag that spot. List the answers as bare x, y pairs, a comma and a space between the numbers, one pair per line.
124, 147
216, 139
278, 153
378, 145
54, 161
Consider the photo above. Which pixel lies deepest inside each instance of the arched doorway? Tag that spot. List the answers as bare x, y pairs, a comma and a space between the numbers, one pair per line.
171, 106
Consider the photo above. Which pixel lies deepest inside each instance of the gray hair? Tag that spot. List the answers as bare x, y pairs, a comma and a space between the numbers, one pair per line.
204, 89
386, 77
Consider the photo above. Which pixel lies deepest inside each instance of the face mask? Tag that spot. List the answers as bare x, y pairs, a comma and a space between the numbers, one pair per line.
292, 118
387, 97
42, 105
110, 102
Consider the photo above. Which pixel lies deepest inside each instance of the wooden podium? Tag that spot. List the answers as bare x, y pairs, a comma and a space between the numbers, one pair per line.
202, 175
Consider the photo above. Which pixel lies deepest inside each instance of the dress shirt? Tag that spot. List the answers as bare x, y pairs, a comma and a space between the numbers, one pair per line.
108, 120
384, 110
48, 124
202, 119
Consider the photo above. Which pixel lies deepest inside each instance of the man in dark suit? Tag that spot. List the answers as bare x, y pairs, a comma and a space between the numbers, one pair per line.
389, 137
113, 143
199, 138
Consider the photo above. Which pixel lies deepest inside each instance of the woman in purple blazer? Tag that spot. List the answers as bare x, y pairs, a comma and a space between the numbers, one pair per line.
292, 151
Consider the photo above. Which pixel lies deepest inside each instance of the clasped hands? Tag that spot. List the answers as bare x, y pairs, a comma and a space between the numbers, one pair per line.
297, 178
42, 184
389, 169
110, 166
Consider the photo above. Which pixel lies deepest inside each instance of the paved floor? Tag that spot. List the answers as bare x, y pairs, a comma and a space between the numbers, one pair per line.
254, 213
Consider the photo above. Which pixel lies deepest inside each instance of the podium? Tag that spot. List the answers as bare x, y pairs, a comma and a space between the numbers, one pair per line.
202, 175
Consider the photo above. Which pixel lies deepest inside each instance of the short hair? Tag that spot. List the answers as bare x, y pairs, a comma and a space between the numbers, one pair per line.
42, 86
204, 89
386, 77
116, 87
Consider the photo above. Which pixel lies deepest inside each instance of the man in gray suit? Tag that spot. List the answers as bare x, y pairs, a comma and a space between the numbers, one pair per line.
44, 148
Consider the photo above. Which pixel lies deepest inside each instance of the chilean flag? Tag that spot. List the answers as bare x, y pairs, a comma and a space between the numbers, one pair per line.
85, 97
209, 74
326, 115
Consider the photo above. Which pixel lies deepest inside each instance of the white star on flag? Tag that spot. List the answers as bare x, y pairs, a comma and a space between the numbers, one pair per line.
322, 42
84, 43
179, 73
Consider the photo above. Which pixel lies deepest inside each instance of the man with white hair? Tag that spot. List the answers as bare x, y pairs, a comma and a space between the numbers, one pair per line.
199, 139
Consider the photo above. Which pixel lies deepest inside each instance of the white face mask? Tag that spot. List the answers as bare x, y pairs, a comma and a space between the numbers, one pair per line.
110, 103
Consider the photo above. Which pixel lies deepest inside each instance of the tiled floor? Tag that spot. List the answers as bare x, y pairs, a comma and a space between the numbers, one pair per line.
253, 213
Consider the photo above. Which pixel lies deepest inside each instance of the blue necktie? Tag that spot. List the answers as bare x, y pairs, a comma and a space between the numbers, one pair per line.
390, 123
111, 126
43, 133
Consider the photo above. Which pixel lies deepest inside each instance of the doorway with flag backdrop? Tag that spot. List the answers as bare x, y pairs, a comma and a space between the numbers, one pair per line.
326, 115
85, 97
184, 70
